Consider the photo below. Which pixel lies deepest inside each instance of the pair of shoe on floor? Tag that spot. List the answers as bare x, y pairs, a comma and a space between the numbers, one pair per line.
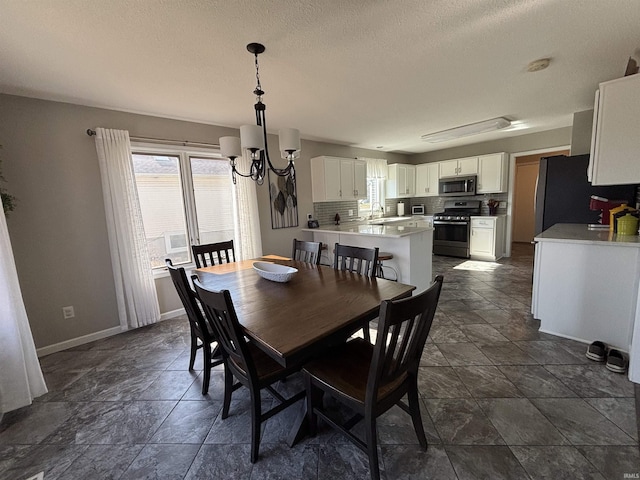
616, 362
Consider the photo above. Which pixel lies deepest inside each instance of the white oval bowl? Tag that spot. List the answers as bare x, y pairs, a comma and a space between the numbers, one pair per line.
274, 272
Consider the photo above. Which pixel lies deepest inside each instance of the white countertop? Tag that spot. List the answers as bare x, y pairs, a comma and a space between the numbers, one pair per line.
577, 233
377, 230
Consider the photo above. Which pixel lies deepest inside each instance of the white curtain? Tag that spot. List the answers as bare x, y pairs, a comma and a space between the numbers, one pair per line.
20, 376
135, 288
248, 242
376, 167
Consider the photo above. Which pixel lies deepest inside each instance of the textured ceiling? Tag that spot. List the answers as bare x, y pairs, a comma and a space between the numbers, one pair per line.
362, 73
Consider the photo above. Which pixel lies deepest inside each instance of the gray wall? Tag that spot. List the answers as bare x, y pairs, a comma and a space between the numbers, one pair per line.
520, 143
58, 231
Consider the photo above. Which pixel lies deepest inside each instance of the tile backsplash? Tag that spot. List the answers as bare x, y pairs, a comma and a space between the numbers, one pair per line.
436, 204
325, 212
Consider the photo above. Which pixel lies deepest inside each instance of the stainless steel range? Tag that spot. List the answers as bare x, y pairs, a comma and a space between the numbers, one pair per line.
452, 228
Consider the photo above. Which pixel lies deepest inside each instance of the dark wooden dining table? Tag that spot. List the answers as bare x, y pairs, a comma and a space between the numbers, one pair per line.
296, 320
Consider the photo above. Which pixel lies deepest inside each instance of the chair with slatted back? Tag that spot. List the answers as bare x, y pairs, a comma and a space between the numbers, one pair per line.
213, 253
243, 360
363, 261
359, 260
370, 379
306, 251
201, 335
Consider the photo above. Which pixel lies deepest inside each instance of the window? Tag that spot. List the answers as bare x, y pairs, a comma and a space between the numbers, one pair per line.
185, 197
373, 205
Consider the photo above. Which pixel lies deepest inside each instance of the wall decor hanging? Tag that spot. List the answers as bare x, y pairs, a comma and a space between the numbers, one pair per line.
283, 201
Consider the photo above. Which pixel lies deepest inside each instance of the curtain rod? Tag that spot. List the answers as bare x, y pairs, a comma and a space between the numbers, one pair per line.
163, 141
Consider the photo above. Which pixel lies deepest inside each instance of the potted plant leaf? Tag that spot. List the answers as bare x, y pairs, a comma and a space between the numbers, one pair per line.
8, 200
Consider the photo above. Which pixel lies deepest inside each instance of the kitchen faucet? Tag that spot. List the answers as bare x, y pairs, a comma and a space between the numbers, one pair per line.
372, 209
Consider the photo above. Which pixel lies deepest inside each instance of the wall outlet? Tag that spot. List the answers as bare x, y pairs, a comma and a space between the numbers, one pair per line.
351, 213
68, 312
309, 216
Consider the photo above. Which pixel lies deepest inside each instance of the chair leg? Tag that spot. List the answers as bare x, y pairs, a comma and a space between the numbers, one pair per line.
207, 368
228, 390
314, 397
194, 348
414, 411
366, 333
372, 446
256, 413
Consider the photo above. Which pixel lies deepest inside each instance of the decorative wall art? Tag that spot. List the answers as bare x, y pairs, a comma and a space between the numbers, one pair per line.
283, 201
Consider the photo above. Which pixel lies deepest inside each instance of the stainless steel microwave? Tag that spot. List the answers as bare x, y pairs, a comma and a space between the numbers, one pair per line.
457, 186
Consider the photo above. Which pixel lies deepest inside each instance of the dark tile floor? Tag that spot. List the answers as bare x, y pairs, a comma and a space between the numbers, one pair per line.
500, 401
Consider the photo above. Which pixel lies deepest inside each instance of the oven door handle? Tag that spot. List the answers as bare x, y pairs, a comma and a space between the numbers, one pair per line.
437, 222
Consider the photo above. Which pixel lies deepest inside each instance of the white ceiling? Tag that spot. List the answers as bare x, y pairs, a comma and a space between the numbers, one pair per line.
365, 73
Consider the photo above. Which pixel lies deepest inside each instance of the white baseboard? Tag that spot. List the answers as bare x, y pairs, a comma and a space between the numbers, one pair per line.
74, 342
172, 314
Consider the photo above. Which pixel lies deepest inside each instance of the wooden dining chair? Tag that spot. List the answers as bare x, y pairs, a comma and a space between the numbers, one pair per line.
363, 261
359, 260
202, 336
371, 379
213, 253
308, 252
243, 360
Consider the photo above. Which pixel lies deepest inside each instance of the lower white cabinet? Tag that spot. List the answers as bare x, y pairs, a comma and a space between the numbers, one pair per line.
487, 238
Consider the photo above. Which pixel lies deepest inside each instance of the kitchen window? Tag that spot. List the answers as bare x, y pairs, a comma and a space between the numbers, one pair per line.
373, 205
186, 198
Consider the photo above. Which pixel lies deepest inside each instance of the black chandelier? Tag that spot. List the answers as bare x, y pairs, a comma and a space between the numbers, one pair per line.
254, 138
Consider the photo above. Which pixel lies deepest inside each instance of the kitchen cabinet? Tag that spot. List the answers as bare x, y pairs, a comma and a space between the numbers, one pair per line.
401, 180
585, 287
493, 173
427, 175
336, 179
615, 142
487, 238
458, 167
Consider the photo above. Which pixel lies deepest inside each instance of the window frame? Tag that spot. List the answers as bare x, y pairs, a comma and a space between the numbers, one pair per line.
184, 154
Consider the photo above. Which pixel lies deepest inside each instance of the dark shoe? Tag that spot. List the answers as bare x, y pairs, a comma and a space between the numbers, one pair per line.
597, 352
616, 361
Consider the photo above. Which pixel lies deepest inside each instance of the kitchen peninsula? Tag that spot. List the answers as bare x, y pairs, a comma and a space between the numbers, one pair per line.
411, 247
586, 285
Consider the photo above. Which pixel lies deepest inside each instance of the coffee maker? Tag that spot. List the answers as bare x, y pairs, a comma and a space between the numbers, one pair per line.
603, 205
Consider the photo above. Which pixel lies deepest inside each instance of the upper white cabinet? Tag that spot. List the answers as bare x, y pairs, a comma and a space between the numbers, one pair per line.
335, 179
460, 166
493, 173
401, 180
615, 142
427, 175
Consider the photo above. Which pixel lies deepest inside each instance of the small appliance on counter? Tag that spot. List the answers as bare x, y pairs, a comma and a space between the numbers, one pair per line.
604, 206
624, 220
401, 209
417, 209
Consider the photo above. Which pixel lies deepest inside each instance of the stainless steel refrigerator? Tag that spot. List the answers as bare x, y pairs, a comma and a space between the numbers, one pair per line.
563, 192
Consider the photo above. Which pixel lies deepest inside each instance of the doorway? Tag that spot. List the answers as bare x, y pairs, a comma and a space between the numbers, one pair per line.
524, 192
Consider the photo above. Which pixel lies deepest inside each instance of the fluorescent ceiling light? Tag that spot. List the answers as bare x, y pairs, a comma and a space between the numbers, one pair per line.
465, 130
